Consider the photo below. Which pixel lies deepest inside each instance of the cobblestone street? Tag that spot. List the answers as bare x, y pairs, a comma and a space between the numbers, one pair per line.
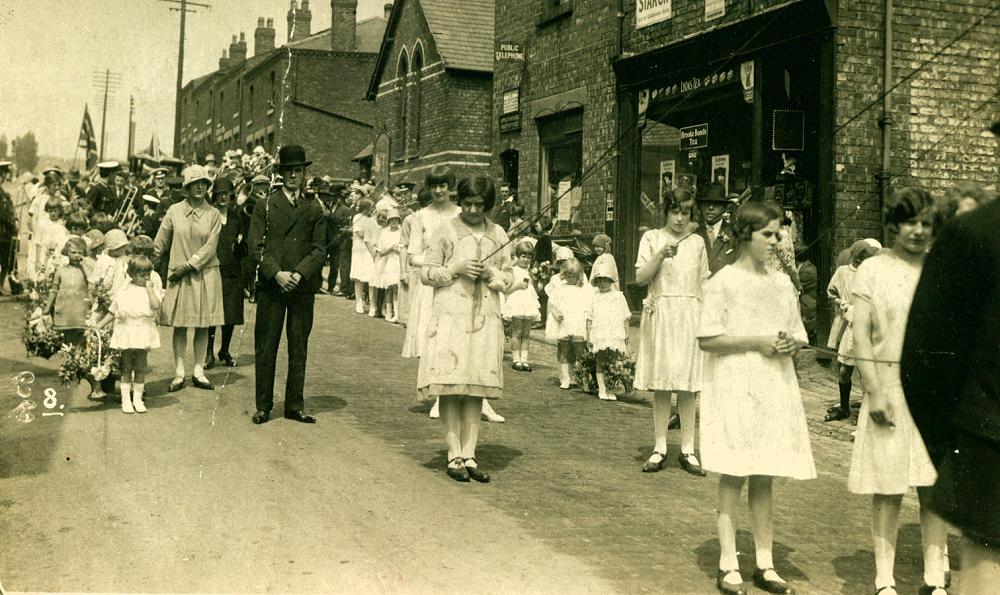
360, 502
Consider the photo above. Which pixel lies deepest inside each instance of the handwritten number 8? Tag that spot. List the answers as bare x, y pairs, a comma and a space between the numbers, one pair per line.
50, 398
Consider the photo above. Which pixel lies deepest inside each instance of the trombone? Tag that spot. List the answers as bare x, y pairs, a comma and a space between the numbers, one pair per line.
125, 216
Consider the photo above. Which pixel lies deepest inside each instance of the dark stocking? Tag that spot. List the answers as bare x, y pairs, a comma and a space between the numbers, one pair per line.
227, 338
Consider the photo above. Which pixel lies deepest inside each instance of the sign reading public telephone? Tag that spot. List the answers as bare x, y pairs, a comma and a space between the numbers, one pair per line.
694, 137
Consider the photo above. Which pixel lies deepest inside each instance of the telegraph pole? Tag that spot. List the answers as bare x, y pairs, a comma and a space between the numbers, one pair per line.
106, 82
131, 125
180, 67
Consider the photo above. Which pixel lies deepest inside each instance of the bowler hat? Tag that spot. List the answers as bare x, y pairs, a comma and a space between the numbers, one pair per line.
714, 193
292, 155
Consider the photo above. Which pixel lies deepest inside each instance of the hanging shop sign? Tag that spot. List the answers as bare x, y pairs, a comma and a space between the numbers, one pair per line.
648, 12
694, 137
510, 111
746, 78
714, 9
380, 160
509, 52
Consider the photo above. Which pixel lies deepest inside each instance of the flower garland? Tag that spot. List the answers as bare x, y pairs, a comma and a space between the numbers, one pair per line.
38, 336
92, 360
619, 371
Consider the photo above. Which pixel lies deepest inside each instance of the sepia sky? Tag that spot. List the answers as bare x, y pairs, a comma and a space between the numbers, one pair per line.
50, 50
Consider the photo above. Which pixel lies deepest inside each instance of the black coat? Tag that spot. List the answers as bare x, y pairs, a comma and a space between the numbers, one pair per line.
104, 198
951, 369
287, 238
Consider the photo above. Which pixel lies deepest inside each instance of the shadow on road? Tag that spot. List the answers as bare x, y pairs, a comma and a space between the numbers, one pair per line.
493, 457
323, 404
707, 558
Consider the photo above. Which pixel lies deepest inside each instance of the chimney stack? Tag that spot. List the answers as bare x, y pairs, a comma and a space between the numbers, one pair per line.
224, 60
344, 33
387, 9
263, 37
299, 21
238, 50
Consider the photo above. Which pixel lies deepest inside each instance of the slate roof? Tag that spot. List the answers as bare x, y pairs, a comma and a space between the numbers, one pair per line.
463, 32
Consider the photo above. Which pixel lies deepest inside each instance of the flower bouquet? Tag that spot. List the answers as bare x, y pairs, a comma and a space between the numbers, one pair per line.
620, 370
38, 335
90, 361
540, 273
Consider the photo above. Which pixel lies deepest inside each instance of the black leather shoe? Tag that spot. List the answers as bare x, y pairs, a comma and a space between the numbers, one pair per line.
729, 588
476, 473
525, 367
458, 473
177, 384
770, 586
297, 415
260, 417
518, 366
202, 384
651, 467
931, 590
690, 466
227, 360
210, 361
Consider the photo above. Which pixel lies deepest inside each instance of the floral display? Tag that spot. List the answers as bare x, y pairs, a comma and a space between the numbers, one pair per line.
620, 370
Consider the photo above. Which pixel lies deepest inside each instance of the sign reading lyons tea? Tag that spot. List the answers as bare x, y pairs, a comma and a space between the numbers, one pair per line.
648, 12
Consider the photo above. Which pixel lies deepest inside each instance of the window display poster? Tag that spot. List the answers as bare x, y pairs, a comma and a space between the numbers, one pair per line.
686, 180
565, 208
667, 170
720, 170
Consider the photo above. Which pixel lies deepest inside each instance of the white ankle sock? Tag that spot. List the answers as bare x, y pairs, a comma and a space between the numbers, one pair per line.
126, 389
137, 389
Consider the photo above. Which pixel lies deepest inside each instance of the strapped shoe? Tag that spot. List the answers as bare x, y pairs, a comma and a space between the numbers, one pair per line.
690, 463
459, 473
475, 472
729, 588
771, 586
650, 466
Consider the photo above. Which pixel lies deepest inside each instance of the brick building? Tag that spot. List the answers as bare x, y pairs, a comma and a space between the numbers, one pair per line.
432, 90
309, 91
636, 97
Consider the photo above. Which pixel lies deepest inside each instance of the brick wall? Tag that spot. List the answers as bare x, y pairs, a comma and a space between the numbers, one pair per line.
455, 108
936, 139
560, 56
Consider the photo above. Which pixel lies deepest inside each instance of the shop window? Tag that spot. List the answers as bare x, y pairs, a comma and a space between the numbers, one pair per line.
510, 161
551, 10
561, 141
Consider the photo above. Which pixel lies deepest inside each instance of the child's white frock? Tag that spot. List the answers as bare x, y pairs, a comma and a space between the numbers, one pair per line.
608, 314
362, 263
752, 420
522, 303
135, 321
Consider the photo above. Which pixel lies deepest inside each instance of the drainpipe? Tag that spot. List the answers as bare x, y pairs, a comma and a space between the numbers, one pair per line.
886, 121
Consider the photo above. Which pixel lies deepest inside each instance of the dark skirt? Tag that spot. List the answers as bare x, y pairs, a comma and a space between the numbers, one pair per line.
968, 488
232, 299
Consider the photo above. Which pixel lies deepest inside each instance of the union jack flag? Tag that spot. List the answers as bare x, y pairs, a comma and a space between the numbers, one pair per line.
88, 140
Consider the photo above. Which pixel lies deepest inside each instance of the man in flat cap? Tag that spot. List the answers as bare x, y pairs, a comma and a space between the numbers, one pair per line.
103, 196
287, 238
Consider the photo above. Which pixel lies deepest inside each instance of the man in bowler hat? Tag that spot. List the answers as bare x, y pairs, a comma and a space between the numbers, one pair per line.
715, 230
288, 239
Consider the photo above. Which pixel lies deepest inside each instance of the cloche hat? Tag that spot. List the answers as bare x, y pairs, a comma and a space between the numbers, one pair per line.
195, 173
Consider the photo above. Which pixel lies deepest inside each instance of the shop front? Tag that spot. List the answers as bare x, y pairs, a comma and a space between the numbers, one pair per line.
747, 108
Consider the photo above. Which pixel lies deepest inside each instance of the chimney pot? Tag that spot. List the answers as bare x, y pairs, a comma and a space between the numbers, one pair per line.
305, 5
270, 23
260, 21
234, 38
387, 8
243, 37
344, 35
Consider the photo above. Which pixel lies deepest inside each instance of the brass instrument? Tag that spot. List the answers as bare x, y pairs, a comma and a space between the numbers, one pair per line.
125, 216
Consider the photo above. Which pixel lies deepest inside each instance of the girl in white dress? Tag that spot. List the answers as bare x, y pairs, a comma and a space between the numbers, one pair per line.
426, 223
889, 455
568, 306
362, 264
521, 306
607, 322
134, 310
387, 252
752, 421
673, 262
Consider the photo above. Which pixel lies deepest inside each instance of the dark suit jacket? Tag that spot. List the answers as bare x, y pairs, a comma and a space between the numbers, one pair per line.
287, 238
951, 355
103, 198
232, 244
723, 251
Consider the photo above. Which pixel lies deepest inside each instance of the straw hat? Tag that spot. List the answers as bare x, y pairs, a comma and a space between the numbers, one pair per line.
195, 173
114, 239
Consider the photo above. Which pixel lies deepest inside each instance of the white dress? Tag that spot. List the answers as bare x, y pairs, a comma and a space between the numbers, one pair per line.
387, 265
669, 357
573, 301
362, 264
888, 460
522, 303
135, 320
752, 420
426, 222
608, 314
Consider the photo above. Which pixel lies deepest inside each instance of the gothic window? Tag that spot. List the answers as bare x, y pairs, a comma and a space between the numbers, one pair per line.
414, 103
402, 112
